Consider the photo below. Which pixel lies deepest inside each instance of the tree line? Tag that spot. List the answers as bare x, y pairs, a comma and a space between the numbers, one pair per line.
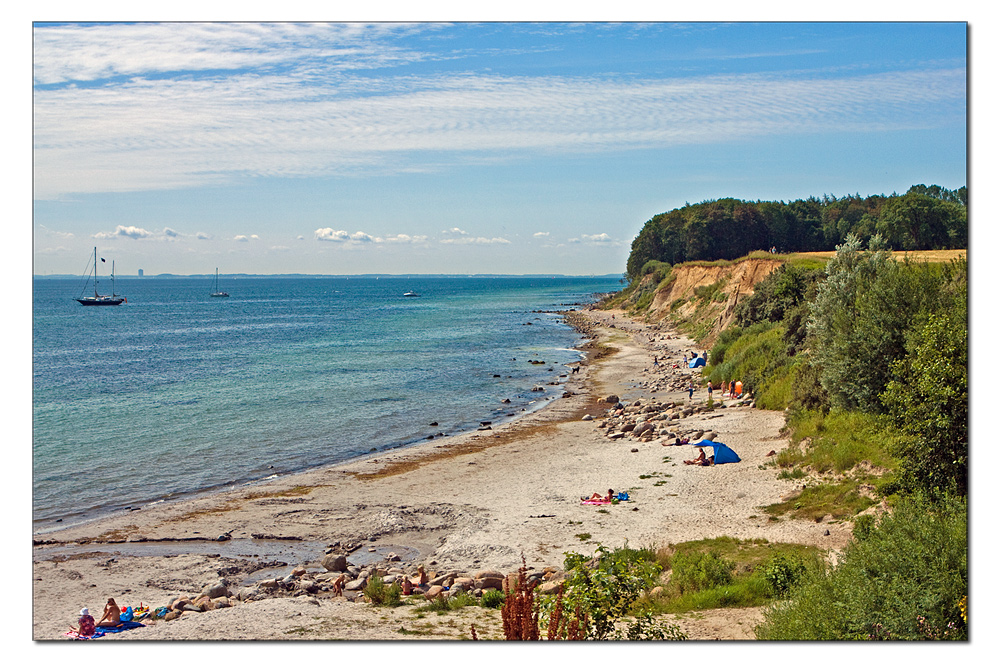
924, 218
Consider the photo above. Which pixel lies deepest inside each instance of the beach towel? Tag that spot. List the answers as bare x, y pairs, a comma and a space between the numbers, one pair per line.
126, 625
77, 635
595, 502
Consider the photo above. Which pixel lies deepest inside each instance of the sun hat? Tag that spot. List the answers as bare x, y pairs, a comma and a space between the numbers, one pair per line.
85, 612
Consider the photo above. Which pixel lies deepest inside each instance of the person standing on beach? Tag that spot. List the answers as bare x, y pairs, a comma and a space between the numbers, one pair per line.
710, 390
690, 390
732, 389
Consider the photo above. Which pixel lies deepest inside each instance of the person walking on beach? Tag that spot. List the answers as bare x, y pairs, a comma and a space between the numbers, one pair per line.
690, 390
710, 390
732, 389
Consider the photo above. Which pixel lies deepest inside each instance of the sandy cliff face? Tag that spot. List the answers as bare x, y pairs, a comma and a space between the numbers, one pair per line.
680, 298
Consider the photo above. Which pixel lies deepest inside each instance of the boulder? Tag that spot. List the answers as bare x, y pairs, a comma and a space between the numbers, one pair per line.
334, 562
171, 615
216, 591
482, 574
433, 592
222, 602
489, 582
611, 399
356, 585
204, 603
246, 593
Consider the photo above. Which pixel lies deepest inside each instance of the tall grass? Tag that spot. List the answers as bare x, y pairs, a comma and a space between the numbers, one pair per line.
840, 441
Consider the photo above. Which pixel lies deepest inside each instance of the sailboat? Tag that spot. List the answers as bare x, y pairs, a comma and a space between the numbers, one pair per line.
102, 299
218, 292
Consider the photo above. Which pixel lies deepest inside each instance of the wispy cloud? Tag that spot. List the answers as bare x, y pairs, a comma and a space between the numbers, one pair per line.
361, 238
127, 108
475, 240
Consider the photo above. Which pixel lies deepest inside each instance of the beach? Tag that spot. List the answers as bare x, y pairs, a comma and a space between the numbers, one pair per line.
475, 502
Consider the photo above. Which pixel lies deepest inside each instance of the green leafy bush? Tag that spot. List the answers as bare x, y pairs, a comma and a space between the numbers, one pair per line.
607, 589
782, 572
380, 593
905, 579
698, 572
492, 599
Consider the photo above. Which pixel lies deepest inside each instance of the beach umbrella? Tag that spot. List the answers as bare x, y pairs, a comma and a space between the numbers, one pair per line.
723, 454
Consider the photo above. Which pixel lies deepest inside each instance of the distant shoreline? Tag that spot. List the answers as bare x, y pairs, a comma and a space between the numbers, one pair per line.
365, 276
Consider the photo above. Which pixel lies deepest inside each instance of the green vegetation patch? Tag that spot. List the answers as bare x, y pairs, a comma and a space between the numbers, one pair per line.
836, 500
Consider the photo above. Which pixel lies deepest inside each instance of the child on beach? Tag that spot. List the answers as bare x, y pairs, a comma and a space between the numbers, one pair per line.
85, 625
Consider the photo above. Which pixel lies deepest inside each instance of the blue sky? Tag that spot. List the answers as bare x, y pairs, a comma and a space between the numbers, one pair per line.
463, 148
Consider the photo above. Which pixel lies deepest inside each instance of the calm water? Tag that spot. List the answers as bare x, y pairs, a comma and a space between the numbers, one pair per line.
175, 393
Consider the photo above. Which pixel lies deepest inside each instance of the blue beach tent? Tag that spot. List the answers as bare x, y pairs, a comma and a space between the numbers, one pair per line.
696, 362
723, 454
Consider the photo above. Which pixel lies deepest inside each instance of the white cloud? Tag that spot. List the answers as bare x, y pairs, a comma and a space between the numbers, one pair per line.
203, 235
541, 234
602, 238
128, 232
329, 234
402, 239
171, 233
455, 231
344, 237
241, 237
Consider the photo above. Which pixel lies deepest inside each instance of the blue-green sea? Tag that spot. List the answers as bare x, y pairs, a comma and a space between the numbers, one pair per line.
175, 393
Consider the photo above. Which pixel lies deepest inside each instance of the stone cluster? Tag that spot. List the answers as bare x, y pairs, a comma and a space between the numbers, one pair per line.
648, 420
339, 578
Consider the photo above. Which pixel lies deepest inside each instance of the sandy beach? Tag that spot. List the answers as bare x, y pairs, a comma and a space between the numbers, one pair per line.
475, 502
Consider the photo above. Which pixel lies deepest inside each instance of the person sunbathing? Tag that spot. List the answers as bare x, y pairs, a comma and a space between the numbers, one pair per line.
112, 615
700, 459
597, 497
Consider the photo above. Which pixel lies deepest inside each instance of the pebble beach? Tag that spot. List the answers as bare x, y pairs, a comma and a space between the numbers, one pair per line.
469, 509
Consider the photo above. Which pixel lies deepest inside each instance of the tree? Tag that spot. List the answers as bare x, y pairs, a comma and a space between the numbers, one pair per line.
836, 340
929, 399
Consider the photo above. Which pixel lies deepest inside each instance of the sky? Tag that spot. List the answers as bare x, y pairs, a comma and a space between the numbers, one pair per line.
499, 147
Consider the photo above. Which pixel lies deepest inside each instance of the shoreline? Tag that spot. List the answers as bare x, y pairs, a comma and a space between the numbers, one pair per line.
51, 527
478, 501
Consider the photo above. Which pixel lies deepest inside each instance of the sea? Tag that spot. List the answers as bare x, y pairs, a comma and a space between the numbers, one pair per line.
176, 393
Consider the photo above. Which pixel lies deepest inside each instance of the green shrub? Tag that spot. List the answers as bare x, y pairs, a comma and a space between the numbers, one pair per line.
492, 599
380, 593
697, 572
782, 572
905, 579
608, 592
